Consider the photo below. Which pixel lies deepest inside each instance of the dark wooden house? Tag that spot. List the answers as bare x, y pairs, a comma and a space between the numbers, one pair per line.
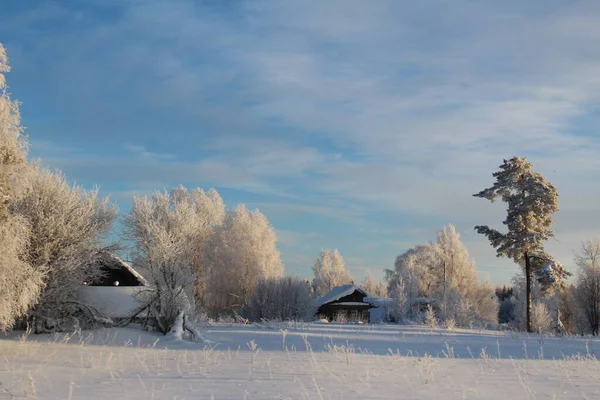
115, 272
344, 303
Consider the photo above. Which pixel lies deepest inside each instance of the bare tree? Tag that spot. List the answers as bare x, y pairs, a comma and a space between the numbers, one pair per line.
67, 225
20, 284
531, 202
329, 271
286, 298
371, 286
587, 288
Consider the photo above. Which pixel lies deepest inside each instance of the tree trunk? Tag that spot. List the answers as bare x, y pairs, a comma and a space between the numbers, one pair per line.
528, 291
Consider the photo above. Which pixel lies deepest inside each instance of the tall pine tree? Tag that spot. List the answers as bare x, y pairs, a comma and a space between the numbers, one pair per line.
531, 202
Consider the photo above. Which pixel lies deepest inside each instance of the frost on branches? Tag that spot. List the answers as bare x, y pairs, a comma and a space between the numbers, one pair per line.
371, 286
531, 201
587, 289
441, 274
241, 252
20, 284
68, 225
283, 299
552, 275
169, 233
329, 271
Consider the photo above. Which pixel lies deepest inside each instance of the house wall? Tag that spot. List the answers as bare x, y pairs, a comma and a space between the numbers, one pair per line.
345, 313
356, 312
112, 301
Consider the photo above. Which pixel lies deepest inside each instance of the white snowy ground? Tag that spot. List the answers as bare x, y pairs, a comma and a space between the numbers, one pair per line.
316, 362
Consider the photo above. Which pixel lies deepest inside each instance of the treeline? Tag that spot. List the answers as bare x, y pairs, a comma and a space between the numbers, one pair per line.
195, 254
201, 258
569, 309
440, 278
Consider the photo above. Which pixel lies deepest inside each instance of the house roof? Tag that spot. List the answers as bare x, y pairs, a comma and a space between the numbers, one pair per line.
109, 260
133, 272
337, 293
379, 301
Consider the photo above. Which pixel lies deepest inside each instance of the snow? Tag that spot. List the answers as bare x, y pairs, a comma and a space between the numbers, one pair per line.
377, 315
379, 301
112, 301
351, 303
176, 332
309, 361
337, 293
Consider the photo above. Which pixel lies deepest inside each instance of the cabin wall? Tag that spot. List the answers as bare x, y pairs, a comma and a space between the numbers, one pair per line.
344, 313
111, 301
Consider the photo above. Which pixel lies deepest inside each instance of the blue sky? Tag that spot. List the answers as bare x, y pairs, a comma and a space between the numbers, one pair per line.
358, 125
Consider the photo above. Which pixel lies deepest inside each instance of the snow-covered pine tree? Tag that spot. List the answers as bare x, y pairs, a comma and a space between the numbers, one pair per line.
329, 271
531, 202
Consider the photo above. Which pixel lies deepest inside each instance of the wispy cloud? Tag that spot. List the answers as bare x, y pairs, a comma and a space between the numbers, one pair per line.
393, 112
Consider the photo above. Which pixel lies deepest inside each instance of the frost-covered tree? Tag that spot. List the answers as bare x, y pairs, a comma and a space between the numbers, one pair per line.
397, 292
485, 304
13, 146
531, 202
372, 286
443, 272
282, 299
169, 232
68, 225
570, 316
454, 271
329, 271
545, 304
241, 252
20, 284
404, 283
587, 289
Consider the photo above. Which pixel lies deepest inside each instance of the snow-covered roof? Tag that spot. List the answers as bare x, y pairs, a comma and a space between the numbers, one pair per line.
337, 293
109, 260
128, 267
378, 301
351, 303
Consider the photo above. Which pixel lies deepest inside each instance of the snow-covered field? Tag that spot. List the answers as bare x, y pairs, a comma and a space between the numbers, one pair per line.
308, 361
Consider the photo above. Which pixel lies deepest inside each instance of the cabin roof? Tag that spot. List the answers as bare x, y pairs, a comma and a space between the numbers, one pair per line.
129, 268
110, 261
337, 293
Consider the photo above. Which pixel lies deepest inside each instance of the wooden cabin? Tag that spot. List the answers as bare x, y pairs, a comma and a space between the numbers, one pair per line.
344, 303
116, 272
115, 293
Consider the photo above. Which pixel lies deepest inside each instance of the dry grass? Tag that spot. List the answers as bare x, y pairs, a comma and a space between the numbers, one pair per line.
72, 368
